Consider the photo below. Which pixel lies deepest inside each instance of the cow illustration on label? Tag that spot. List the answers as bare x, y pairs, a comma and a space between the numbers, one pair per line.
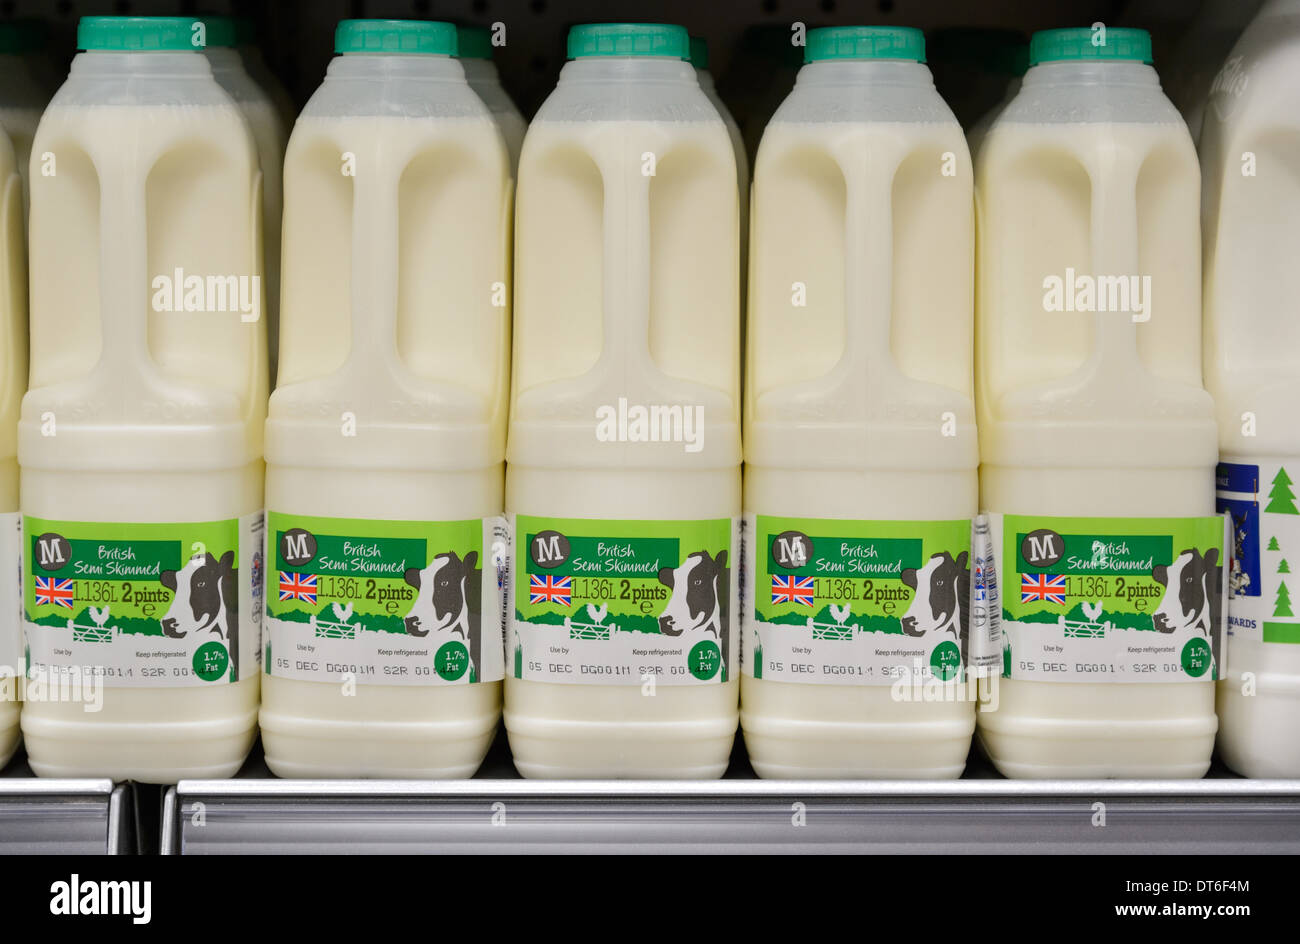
205, 599
701, 591
1191, 599
942, 588
447, 597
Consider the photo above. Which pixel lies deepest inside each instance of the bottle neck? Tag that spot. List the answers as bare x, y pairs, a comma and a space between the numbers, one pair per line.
628, 70
103, 64
836, 72
1081, 74
417, 67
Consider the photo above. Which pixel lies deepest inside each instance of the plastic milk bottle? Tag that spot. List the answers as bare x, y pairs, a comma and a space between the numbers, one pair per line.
1097, 438
1252, 366
386, 434
13, 381
623, 470
269, 135
141, 432
475, 45
860, 446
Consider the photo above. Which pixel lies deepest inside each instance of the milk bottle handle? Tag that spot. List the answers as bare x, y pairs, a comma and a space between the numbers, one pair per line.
625, 293
1113, 240
375, 261
374, 359
868, 363
124, 248
126, 363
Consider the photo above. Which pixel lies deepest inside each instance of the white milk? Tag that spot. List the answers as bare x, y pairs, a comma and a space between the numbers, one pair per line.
627, 302
13, 378
269, 135
386, 434
1252, 232
1096, 414
860, 335
140, 436
475, 56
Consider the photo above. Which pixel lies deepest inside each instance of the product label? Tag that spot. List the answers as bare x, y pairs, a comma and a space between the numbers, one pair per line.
623, 602
143, 605
384, 602
13, 662
1260, 499
1111, 599
856, 602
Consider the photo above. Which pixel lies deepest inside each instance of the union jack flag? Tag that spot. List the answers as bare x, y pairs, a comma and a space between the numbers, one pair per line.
298, 587
1046, 587
792, 590
53, 590
550, 589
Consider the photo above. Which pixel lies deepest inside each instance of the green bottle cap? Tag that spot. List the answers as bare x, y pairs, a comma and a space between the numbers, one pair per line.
474, 42
865, 42
629, 39
140, 34
395, 37
1112, 43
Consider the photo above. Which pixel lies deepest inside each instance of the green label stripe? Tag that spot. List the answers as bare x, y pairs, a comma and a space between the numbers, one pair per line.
360, 569
849, 556
351, 556
1282, 632
1110, 554
602, 557
856, 567
110, 559
114, 566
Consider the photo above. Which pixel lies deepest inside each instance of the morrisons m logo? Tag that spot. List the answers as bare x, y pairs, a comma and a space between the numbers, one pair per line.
297, 546
549, 549
1042, 548
52, 551
792, 549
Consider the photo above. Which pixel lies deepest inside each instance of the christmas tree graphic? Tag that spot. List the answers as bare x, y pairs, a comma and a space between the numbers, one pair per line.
1283, 607
1272, 544
1282, 499
1284, 567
